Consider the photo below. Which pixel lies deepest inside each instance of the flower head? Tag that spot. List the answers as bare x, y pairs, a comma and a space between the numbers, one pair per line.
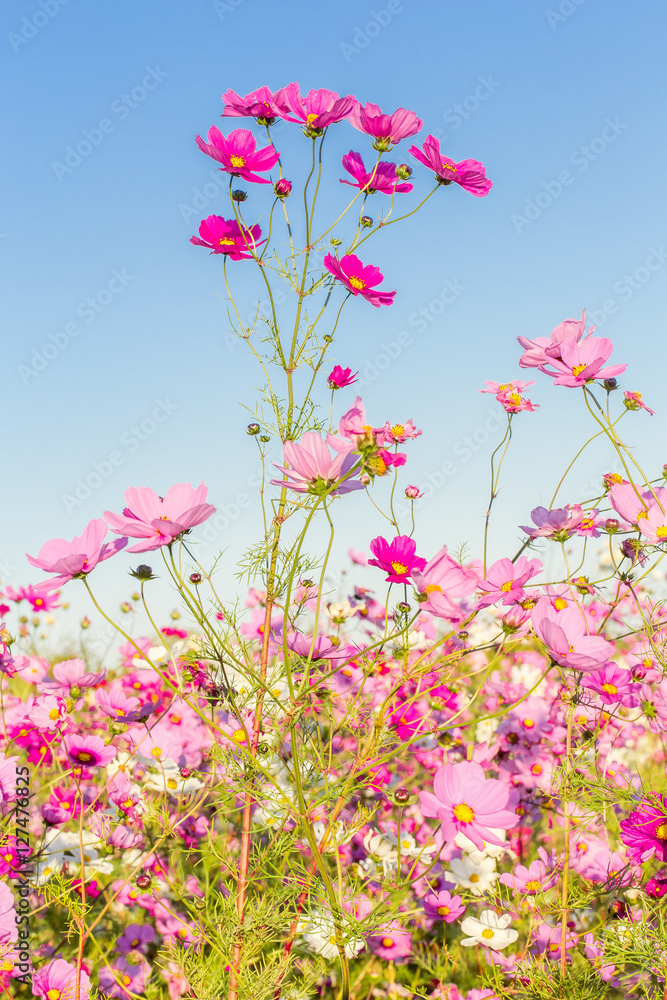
644, 832
57, 981
313, 470
260, 104
159, 520
443, 906
341, 377
633, 401
88, 751
76, 558
387, 130
316, 111
358, 278
468, 174
238, 153
465, 801
559, 523
490, 930
226, 236
382, 177
396, 558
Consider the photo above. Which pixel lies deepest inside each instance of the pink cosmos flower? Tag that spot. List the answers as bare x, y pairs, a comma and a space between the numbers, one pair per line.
317, 110
57, 981
644, 832
505, 580
396, 433
135, 937
238, 153
498, 387
160, 520
441, 580
465, 801
582, 361
633, 401
88, 751
390, 942
226, 236
37, 600
358, 278
537, 877
396, 558
381, 178
125, 980
566, 635
542, 350
443, 906
615, 685
313, 470
74, 673
654, 526
633, 503
260, 104
341, 377
559, 523
594, 952
468, 174
77, 558
387, 130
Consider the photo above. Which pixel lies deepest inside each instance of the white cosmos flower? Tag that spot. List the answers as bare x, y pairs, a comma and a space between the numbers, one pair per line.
319, 934
490, 850
171, 781
340, 611
491, 930
477, 874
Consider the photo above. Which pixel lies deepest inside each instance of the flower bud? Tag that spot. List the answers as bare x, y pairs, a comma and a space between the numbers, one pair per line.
199, 904
664, 472
610, 384
402, 795
175, 615
195, 578
638, 673
403, 607
335, 242
143, 881
327, 338
239, 195
142, 572
264, 438
463, 635
412, 492
185, 772
611, 525
125, 607
366, 221
136, 596
253, 429
282, 188
85, 623
403, 171
264, 120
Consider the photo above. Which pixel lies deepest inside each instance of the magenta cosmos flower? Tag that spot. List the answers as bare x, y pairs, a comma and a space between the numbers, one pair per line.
505, 580
159, 520
387, 130
564, 632
468, 174
358, 278
537, 877
259, 104
57, 981
341, 377
88, 751
226, 236
465, 801
238, 153
316, 111
396, 558
443, 906
390, 942
313, 470
382, 177
78, 557
644, 832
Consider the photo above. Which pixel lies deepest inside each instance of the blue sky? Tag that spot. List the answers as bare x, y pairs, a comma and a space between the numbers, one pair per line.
562, 101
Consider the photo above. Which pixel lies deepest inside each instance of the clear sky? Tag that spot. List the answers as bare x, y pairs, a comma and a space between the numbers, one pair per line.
112, 322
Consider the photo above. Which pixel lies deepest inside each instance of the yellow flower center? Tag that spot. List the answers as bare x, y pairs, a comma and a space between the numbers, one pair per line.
156, 752
54, 714
398, 430
127, 804
661, 532
357, 283
533, 886
536, 769
83, 756
387, 942
226, 241
175, 719
237, 161
528, 723
560, 603
487, 933
443, 910
642, 513
578, 369
463, 813
661, 832
432, 588
126, 980
399, 568
310, 118
239, 736
66, 805
53, 994
507, 586
449, 166
172, 783
474, 877
610, 688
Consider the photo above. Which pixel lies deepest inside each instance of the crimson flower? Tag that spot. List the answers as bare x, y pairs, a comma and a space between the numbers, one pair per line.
341, 377
382, 177
238, 153
387, 130
226, 236
259, 104
317, 110
359, 278
397, 558
468, 174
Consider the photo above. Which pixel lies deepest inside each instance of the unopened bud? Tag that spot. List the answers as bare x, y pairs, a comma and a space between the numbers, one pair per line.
282, 188
403, 607
264, 438
195, 578
185, 772
638, 673
85, 623
611, 525
199, 904
664, 472
366, 221
335, 242
175, 615
239, 195
403, 171
125, 607
142, 572
463, 635
253, 429
412, 492
402, 795
143, 881
610, 384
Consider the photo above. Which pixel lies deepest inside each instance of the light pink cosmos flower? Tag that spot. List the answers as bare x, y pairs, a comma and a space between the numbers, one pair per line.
313, 470
654, 527
396, 433
259, 104
57, 981
582, 361
227, 237
505, 581
387, 130
396, 558
238, 153
38, 601
498, 387
632, 503
468, 174
443, 906
381, 178
391, 942
77, 558
633, 401
316, 111
160, 520
559, 523
542, 350
537, 877
359, 278
441, 580
88, 751
74, 673
566, 635
465, 801
615, 685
